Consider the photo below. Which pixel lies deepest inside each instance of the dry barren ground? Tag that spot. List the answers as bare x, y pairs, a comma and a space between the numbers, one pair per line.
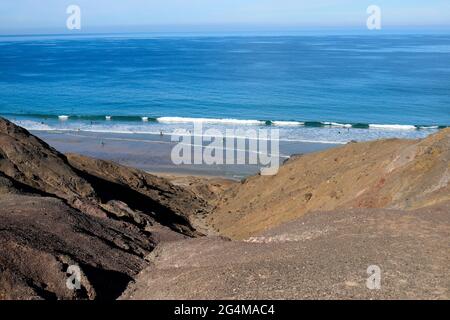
318, 256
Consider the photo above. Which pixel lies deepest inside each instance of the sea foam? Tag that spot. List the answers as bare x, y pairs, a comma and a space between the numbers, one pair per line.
287, 123
392, 126
209, 120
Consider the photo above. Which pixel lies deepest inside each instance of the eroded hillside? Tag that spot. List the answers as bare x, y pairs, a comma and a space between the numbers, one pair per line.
391, 173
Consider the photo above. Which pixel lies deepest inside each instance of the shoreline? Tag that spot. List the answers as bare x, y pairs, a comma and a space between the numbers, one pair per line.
289, 131
54, 121
151, 153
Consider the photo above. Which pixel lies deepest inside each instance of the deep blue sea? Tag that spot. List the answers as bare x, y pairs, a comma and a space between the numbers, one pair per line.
314, 88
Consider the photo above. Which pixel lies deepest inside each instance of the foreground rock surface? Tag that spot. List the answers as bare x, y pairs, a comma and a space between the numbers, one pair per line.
318, 256
41, 237
97, 215
98, 188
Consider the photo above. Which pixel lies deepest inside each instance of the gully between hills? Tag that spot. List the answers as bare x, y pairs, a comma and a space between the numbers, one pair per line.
311, 231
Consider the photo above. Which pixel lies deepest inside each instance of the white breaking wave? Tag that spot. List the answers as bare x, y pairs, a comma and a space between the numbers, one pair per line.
290, 133
143, 129
63, 117
392, 126
287, 123
429, 127
33, 125
340, 125
208, 120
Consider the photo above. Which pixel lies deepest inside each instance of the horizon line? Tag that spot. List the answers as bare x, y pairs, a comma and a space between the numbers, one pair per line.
217, 29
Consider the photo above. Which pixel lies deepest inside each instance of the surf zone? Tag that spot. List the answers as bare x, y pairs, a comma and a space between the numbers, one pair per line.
235, 147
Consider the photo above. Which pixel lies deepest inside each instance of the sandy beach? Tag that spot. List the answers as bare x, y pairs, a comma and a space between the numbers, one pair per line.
151, 153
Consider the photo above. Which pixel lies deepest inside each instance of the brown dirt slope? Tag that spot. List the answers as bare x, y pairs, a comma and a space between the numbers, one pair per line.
402, 174
317, 256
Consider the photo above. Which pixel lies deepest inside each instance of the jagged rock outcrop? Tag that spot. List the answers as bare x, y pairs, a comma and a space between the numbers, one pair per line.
97, 215
169, 203
96, 187
30, 161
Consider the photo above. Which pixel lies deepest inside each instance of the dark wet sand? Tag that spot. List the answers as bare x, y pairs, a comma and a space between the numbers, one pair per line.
152, 152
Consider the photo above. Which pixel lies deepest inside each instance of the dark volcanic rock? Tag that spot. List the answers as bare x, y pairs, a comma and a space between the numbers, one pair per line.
169, 204
94, 186
9, 186
41, 237
30, 161
99, 216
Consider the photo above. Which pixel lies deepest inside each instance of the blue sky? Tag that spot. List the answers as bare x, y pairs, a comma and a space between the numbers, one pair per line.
32, 16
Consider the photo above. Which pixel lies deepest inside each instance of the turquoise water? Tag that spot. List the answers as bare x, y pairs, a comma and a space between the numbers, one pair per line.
313, 88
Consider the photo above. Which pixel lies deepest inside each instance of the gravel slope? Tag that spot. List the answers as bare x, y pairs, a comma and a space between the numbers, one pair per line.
318, 256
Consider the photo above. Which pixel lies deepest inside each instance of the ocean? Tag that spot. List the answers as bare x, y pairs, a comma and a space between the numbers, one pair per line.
317, 88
